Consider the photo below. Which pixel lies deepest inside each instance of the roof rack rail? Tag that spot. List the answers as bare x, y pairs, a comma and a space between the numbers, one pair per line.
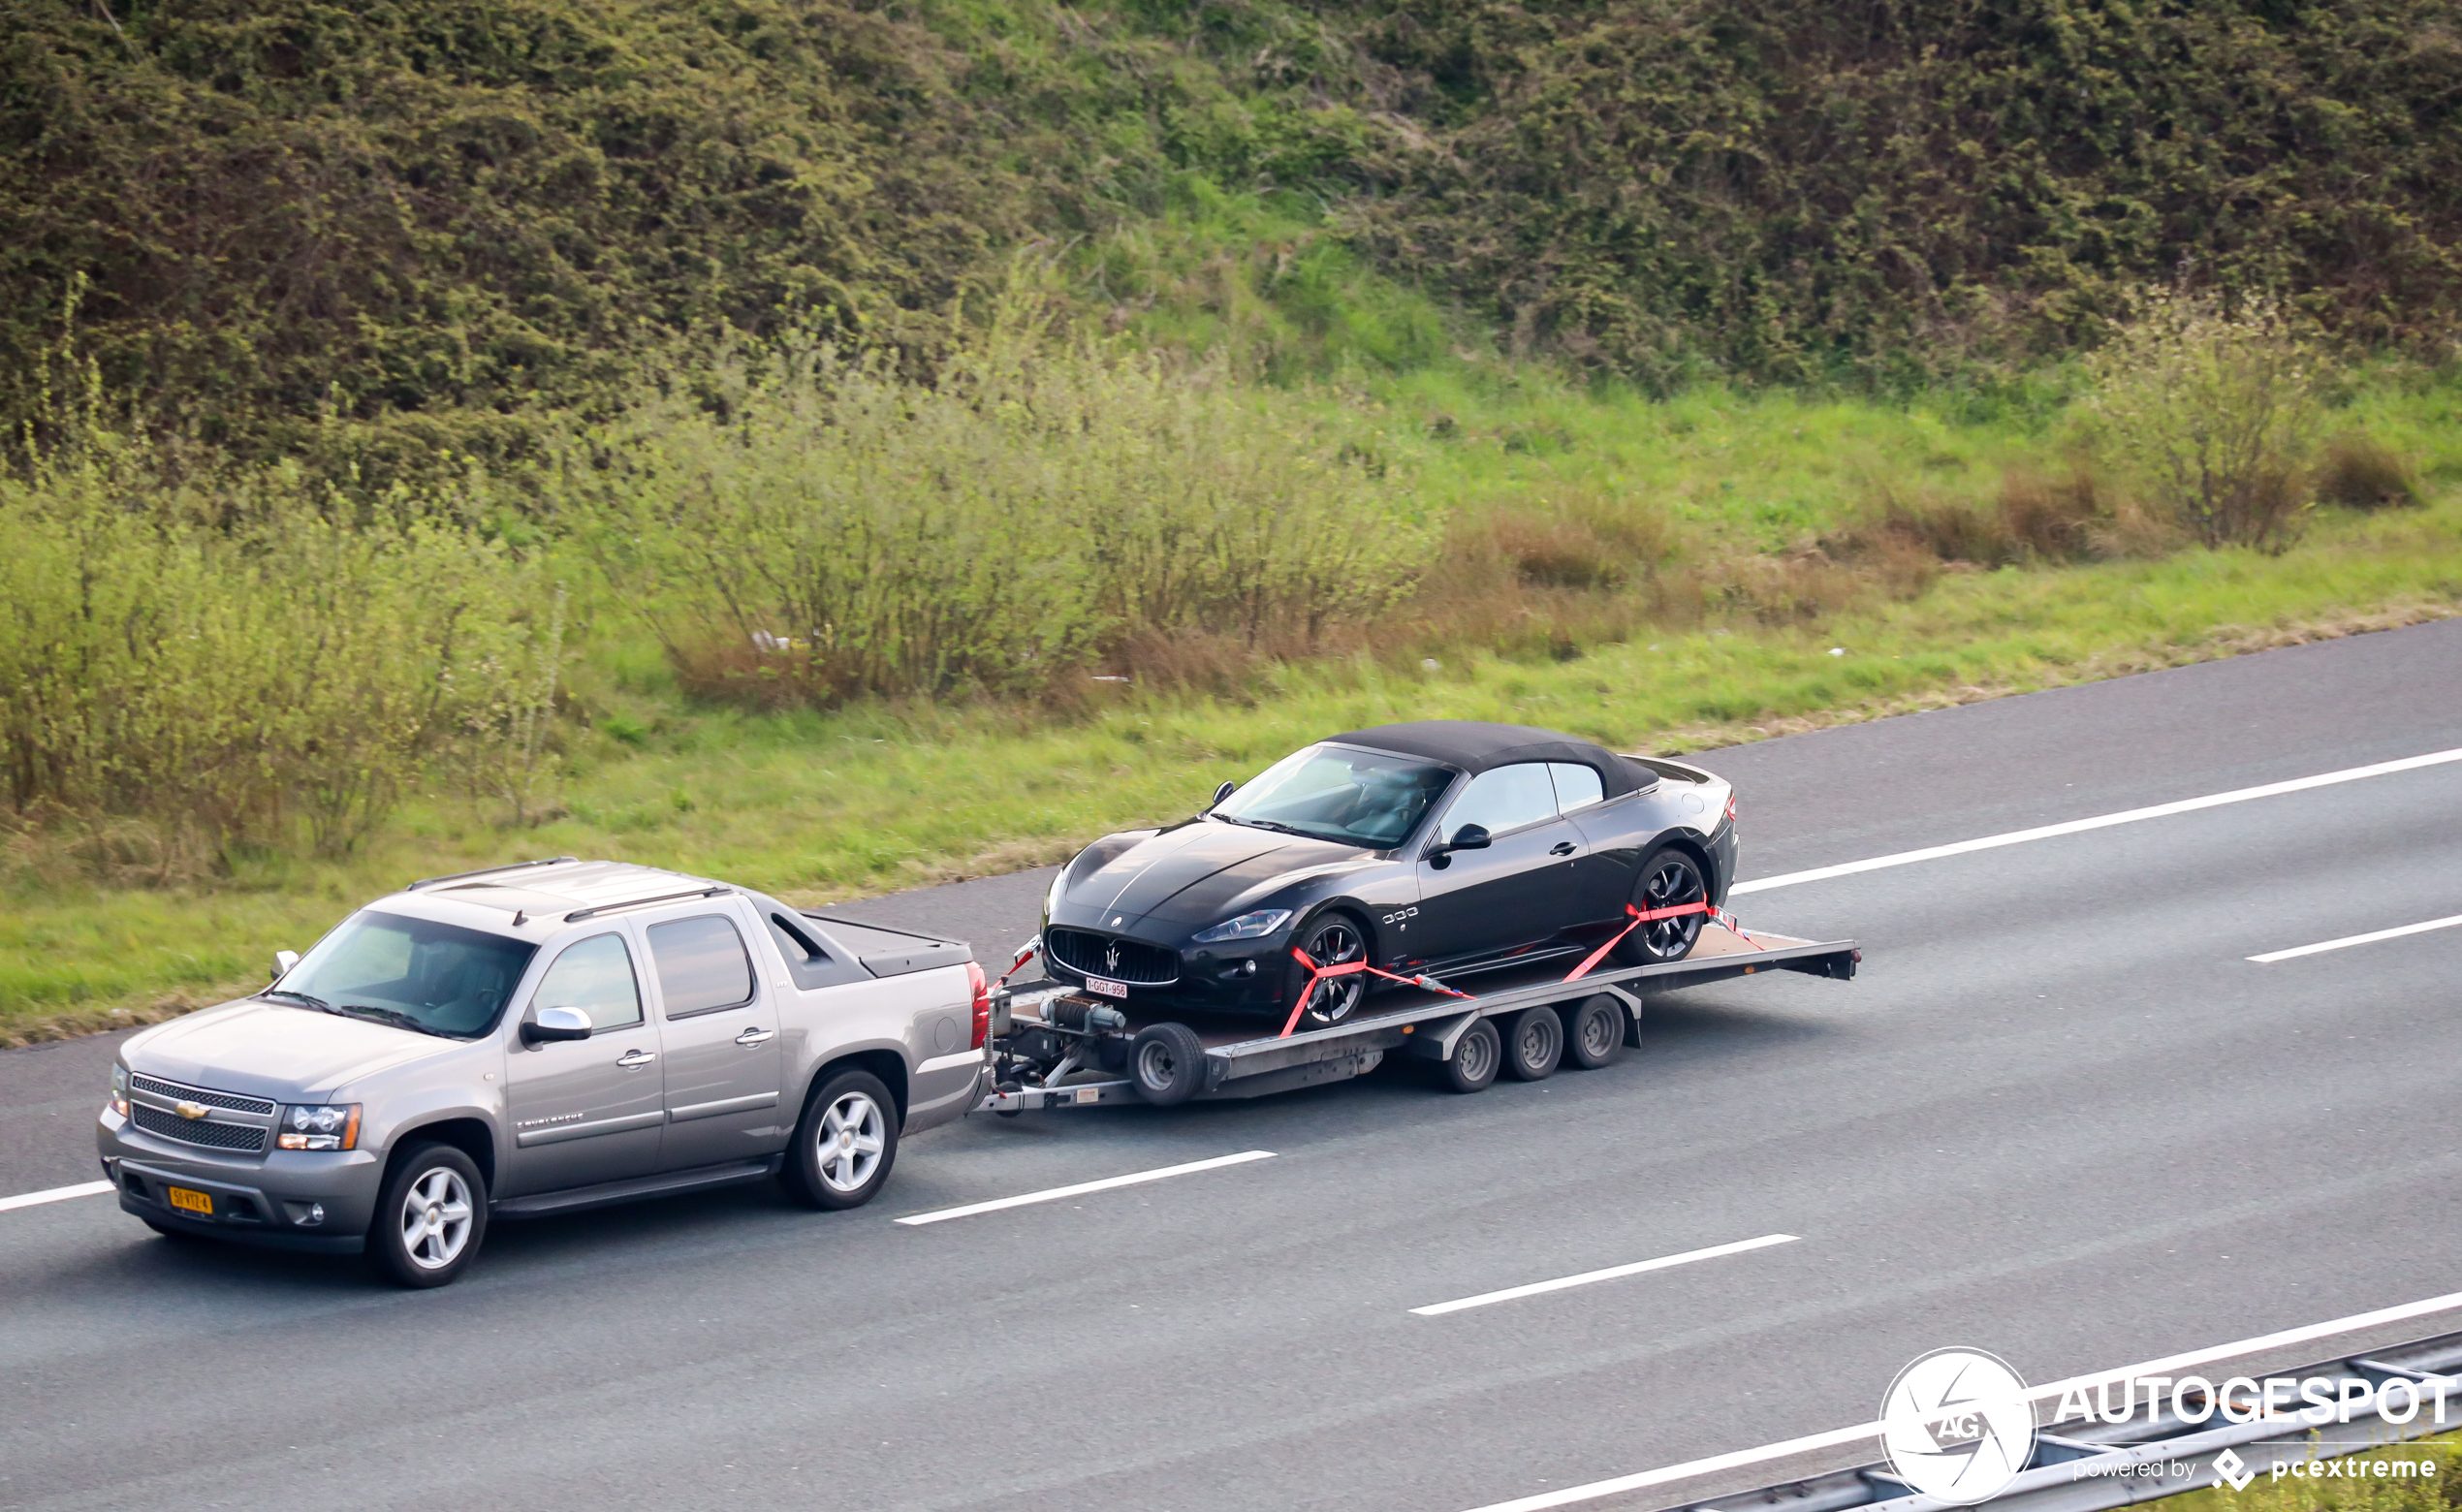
643, 903
515, 865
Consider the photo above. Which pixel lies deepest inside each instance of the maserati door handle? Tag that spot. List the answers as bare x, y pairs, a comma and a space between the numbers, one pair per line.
750, 1037
635, 1059
1562, 848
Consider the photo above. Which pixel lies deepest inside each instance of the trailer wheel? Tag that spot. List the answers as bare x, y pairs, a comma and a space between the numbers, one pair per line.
1477, 1057
1533, 1042
1593, 1031
1168, 1064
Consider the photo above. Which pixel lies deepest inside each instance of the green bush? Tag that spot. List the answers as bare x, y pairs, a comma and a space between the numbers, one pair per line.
2216, 409
231, 660
846, 532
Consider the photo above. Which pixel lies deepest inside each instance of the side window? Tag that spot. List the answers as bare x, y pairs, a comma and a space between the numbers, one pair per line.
1506, 799
595, 976
1576, 786
701, 964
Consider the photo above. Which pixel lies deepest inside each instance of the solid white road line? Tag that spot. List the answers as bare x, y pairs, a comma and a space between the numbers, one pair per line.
2048, 832
2369, 938
1608, 1275
55, 1194
1838, 1437
1083, 1188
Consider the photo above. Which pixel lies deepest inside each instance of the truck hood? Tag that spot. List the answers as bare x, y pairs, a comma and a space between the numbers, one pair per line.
267, 1050
1190, 874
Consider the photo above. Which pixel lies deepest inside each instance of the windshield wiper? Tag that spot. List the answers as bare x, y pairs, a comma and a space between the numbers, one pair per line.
1305, 835
317, 1003
393, 1016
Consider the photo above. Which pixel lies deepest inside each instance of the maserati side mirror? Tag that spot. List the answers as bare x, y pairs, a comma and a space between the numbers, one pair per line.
1470, 836
283, 961
1224, 792
551, 1024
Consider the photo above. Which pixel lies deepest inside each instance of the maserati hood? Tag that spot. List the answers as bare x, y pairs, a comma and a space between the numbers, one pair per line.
1194, 873
289, 1054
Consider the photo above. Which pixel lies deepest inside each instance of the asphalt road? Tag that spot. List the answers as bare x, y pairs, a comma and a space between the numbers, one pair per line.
2060, 1117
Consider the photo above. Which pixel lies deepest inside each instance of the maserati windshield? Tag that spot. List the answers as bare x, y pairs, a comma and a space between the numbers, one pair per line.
1337, 792
412, 974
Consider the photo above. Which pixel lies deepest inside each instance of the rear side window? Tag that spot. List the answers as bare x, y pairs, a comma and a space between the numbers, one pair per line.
595, 976
1576, 786
701, 964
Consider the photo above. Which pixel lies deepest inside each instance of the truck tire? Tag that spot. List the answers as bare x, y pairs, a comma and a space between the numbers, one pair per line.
432, 1216
1476, 1058
1533, 1043
1168, 1064
1595, 1031
844, 1144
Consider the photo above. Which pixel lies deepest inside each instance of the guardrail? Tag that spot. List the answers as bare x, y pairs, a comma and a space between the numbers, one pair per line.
2096, 1466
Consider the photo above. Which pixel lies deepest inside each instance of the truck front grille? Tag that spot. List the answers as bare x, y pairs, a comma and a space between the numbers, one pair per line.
236, 1102
1089, 953
198, 1132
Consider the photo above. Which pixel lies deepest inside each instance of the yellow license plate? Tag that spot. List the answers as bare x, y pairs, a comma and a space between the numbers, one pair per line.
187, 1201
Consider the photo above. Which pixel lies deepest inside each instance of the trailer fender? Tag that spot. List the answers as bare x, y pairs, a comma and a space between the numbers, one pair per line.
1434, 1039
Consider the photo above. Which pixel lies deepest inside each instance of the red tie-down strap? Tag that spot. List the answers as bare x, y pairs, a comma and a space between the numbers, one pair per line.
1641, 916
1317, 973
1025, 952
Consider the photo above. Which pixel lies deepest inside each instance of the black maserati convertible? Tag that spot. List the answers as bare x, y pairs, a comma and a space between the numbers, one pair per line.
1442, 847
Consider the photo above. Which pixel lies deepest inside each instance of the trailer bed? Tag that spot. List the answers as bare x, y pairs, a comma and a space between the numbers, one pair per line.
1245, 1057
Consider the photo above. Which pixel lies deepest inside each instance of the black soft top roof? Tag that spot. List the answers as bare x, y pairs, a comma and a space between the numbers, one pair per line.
1475, 747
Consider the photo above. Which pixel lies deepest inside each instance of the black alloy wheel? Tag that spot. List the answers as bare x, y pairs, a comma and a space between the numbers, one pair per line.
1670, 879
1333, 939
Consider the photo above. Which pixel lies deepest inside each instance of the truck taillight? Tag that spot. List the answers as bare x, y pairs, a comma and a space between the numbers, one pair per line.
982, 1005
1730, 807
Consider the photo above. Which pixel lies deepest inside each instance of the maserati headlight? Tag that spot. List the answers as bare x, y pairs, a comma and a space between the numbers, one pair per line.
1246, 927
329, 1126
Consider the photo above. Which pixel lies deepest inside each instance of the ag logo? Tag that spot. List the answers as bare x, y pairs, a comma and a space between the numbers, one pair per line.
1957, 1427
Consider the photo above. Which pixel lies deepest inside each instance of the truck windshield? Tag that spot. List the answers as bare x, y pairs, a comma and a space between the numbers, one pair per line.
441, 978
1335, 793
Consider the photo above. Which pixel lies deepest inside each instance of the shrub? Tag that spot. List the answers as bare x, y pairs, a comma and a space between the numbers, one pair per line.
2214, 408
187, 667
847, 532
2361, 472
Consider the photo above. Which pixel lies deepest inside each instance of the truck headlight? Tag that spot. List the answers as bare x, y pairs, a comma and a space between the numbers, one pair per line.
323, 1127
119, 1091
1246, 927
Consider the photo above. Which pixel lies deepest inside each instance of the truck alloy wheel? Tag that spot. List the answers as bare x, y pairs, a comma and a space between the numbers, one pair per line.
1593, 1031
1533, 1042
430, 1218
844, 1144
1475, 1059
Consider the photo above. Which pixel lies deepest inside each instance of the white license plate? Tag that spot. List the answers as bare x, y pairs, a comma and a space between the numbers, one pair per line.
1106, 989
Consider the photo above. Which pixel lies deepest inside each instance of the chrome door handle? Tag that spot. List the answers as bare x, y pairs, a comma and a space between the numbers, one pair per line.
754, 1037
635, 1059
1562, 848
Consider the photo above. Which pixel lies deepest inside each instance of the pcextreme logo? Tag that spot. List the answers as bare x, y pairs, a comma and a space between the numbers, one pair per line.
1957, 1425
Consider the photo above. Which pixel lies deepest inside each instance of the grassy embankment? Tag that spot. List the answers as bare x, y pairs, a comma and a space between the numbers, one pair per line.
873, 796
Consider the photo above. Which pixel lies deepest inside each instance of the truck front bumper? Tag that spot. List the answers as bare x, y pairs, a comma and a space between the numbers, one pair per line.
314, 1201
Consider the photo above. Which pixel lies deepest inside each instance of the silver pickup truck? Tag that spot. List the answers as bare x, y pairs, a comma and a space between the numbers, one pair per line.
538, 1039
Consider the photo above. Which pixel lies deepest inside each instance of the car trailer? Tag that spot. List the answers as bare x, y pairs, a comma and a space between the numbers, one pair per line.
1055, 1045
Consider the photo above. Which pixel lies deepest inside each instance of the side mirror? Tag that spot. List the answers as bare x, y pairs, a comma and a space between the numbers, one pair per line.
551, 1024
1470, 836
283, 961
1224, 792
